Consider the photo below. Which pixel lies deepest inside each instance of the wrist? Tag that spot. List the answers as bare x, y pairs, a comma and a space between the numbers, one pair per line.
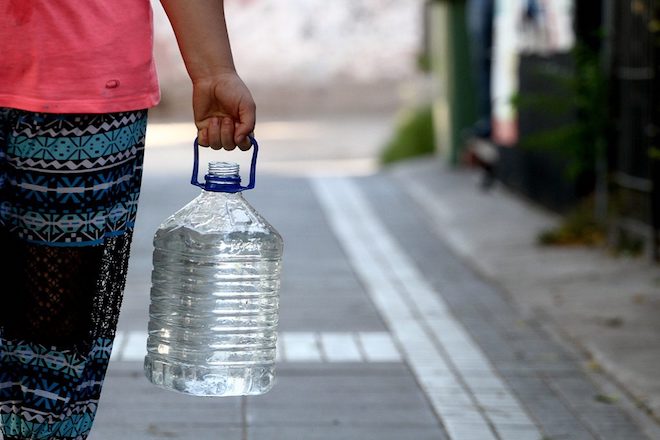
209, 73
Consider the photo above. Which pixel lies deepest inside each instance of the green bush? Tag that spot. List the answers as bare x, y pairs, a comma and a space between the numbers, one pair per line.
413, 136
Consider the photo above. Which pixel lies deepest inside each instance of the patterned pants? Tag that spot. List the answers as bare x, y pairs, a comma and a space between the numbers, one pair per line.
69, 187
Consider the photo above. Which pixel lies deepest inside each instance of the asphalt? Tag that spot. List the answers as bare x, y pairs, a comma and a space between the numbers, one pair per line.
435, 344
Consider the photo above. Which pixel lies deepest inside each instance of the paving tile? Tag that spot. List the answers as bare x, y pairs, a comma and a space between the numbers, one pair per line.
340, 347
131, 398
516, 433
337, 412
117, 345
385, 397
334, 347
135, 346
373, 400
301, 347
133, 409
469, 431
312, 254
378, 347
344, 433
518, 350
164, 430
416, 315
554, 415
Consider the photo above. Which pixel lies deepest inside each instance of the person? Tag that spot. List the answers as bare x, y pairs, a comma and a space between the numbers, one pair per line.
76, 82
480, 16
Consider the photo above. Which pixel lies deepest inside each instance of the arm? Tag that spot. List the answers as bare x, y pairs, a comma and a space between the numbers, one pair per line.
223, 107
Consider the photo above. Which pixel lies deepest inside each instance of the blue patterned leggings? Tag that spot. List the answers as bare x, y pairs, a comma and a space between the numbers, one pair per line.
69, 187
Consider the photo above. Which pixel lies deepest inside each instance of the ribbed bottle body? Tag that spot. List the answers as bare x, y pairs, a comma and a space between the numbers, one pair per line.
214, 299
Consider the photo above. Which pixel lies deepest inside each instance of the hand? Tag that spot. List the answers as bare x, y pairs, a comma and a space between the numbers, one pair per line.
224, 111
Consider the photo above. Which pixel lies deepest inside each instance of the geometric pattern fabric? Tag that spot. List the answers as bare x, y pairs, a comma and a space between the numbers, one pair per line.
70, 180
69, 187
46, 393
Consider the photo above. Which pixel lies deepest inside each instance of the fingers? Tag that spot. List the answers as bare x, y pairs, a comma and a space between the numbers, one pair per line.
214, 134
245, 144
218, 134
224, 133
203, 137
245, 126
227, 134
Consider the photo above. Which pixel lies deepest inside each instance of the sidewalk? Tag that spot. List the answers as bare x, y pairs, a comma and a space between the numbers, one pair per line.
606, 306
387, 333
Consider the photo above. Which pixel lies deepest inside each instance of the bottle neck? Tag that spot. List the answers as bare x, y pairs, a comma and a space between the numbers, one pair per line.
223, 169
223, 177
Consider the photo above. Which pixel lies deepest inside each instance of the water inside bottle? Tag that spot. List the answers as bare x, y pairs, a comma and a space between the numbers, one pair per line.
214, 298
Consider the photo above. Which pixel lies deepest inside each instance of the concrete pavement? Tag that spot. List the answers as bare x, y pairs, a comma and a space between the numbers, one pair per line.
388, 332
604, 306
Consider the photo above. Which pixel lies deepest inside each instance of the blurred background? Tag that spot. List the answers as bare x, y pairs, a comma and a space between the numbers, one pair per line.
572, 90
306, 56
469, 193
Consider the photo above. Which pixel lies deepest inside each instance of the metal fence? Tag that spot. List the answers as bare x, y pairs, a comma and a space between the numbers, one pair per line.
634, 46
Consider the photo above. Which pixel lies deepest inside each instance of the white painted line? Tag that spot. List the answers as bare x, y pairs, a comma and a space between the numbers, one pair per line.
292, 347
340, 347
136, 347
117, 346
362, 236
437, 347
378, 347
279, 349
301, 347
467, 430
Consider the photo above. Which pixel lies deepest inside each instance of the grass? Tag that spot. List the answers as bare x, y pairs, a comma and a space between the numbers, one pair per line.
413, 137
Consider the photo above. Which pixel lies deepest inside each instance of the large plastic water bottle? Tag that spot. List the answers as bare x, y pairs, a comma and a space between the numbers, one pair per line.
215, 292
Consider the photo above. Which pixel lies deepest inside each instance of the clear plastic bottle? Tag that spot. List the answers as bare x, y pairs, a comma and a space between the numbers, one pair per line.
215, 294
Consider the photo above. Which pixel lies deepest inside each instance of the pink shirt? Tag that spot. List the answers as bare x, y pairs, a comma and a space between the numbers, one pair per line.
77, 56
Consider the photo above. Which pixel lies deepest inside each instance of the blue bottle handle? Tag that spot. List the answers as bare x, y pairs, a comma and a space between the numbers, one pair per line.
225, 188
